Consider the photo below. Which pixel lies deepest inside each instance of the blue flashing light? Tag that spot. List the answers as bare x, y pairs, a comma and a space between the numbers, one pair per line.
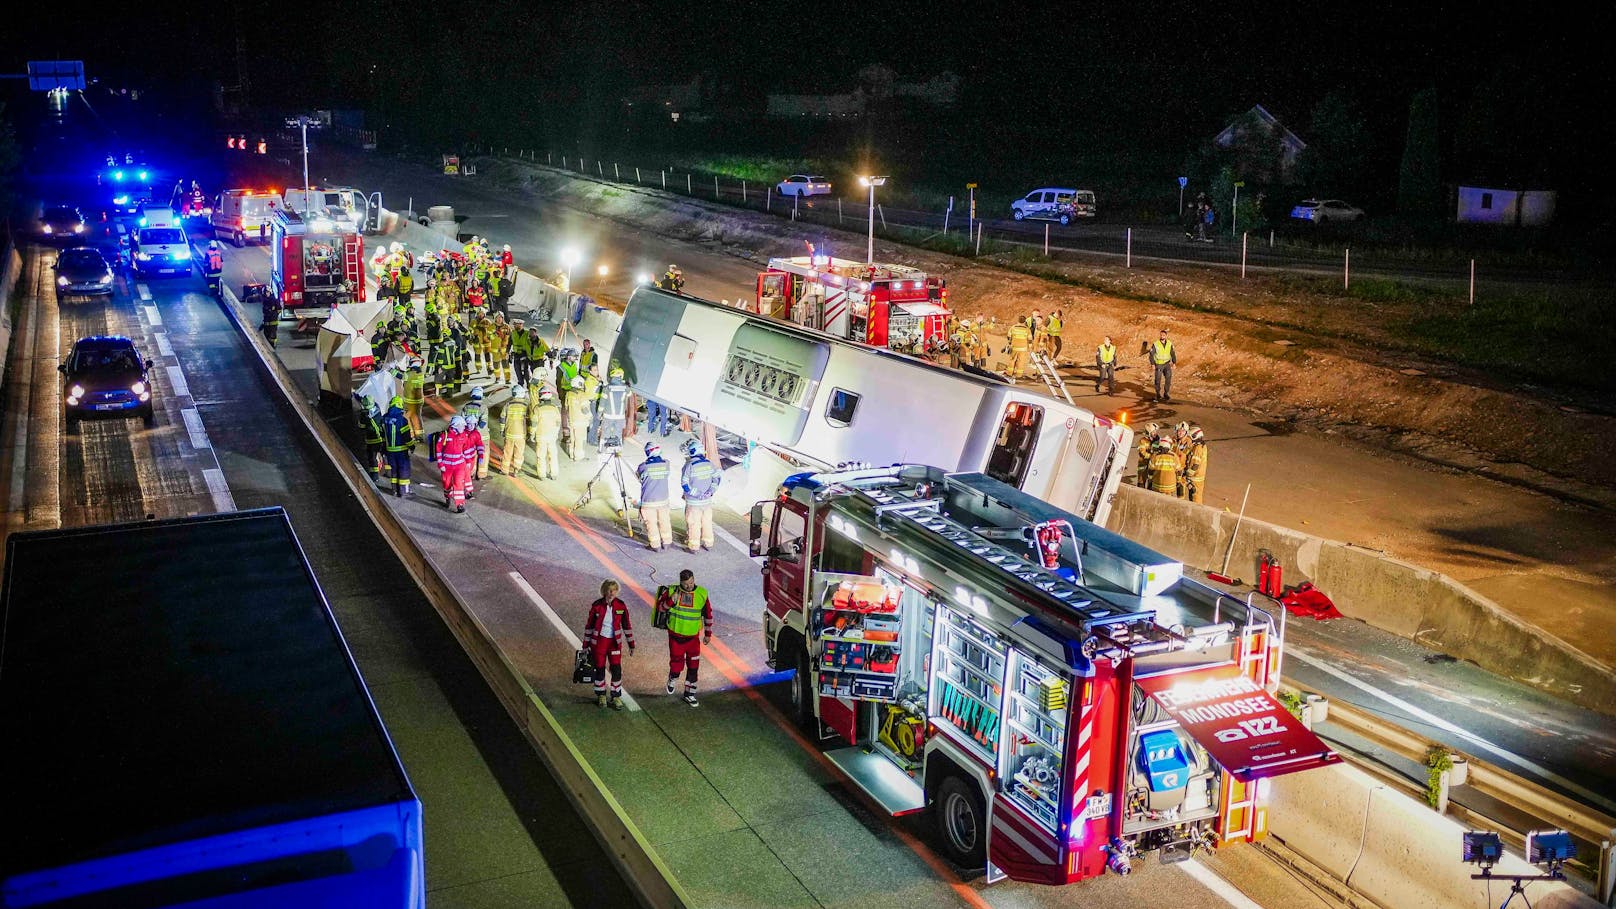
120, 200
142, 221
142, 175
117, 175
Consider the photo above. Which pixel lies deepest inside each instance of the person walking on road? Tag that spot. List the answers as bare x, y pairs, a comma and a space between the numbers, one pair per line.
579, 409
1105, 365
654, 474
690, 624
515, 431
546, 435
452, 454
476, 414
400, 440
1195, 467
1162, 359
700, 479
607, 630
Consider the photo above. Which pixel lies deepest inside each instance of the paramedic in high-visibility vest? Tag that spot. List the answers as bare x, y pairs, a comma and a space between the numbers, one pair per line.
1162, 358
700, 480
690, 624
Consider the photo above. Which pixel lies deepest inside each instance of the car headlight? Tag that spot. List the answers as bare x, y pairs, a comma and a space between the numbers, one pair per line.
105, 278
47, 228
182, 254
120, 200
78, 228
76, 391
63, 281
143, 256
138, 388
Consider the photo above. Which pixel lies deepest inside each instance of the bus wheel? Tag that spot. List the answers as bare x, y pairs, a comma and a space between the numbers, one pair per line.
962, 822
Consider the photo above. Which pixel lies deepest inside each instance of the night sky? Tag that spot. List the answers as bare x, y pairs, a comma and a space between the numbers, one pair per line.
1146, 73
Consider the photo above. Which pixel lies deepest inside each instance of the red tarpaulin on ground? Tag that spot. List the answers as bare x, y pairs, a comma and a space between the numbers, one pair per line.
1306, 600
1246, 731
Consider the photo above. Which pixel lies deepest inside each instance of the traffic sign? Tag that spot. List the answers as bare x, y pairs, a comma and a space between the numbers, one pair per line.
44, 75
1182, 182
970, 186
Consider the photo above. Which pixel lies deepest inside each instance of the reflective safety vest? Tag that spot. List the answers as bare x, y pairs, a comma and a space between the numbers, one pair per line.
396, 429
515, 422
685, 615
566, 371
1107, 353
1053, 327
614, 402
414, 387
521, 344
546, 423
373, 429
476, 415
653, 476
587, 358
1195, 462
1161, 352
1020, 336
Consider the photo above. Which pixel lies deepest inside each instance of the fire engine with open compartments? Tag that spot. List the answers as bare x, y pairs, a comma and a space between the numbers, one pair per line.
892, 306
1062, 698
315, 262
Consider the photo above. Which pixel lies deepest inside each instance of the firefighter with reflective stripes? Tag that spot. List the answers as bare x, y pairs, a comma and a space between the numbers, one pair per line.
579, 409
515, 427
690, 624
611, 408
700, 479
654, 474
545, 431
1195, 467
499, 350
521, 352
1019, 347
606, 631
399, 439
414, 394
375, 447
1163, 468
1146, 442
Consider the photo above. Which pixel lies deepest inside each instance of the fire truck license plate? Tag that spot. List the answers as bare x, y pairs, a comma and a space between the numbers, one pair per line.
1097, 806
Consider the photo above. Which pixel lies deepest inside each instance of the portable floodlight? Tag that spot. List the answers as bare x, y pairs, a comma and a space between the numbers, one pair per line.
1482, 848
1550, 848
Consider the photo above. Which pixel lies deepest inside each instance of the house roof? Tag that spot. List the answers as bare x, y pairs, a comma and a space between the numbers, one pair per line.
1261, 115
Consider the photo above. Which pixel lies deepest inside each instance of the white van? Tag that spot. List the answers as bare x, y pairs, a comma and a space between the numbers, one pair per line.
1054, 203
160, 244
243, 215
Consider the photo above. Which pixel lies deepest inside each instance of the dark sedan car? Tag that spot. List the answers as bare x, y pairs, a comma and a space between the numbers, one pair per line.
105, 376
61, 222
82, 270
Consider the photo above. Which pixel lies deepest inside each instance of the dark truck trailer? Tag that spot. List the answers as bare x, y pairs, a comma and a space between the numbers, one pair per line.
183, 724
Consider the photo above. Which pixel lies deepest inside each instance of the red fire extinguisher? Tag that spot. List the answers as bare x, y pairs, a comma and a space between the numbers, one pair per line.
1270, 574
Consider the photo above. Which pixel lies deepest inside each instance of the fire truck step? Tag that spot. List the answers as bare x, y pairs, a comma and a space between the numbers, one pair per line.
875, 773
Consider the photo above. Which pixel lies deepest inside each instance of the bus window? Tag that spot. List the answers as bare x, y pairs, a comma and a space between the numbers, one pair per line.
1012, 450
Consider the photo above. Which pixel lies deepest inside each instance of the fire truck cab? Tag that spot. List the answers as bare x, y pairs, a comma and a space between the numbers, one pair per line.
892, 306
1062, 698
315, 263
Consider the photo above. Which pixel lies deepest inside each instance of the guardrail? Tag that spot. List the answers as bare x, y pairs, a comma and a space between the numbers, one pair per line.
1548, 809
641, 867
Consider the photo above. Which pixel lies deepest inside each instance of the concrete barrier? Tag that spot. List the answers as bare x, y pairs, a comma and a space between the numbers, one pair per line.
1392, 595
10, 271
1322, 814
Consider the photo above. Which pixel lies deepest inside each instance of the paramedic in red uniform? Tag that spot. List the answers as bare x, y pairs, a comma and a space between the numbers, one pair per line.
690, 622
605, 632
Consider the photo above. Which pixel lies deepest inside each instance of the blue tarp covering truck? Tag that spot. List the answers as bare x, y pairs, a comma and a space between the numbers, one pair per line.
184, 725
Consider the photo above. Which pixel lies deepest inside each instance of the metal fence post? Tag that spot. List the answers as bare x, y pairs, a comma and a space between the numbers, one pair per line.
1046, 239
979, 238
1243, 257
637, 175
794, 200
599, 171
838, 209
768, 199
549, 158
1472, 282
688, 190
743, 192
1129, 252
664, 179
947, 213
715, 188
1346, 270
616, 174
563, 162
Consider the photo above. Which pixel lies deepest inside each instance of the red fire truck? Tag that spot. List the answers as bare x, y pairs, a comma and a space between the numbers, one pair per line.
891, 306
1062, 698
315, 263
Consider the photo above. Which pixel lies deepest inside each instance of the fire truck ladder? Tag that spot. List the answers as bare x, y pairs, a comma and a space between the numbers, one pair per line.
926, 522
1051, 376
351, 265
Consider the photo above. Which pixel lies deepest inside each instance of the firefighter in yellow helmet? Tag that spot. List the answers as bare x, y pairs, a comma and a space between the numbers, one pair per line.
579, 410
545, 430
1195, 467
1163, 468
515, 425
1019, 340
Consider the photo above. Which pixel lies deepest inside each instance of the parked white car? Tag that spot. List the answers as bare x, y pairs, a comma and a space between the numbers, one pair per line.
1055, 203
804, 185
1320, 211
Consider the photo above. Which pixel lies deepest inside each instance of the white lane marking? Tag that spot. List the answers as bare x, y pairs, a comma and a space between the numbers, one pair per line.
222, 499
732, 540
164, 347
567, 634
176, 378
143, 291
194, 427
1218, 885
153, 317
1438, 722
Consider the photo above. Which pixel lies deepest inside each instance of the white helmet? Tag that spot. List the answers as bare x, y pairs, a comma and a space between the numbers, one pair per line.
507, 247
476, 392
457, 423
519, 393
396, 247
577, 381
653, 450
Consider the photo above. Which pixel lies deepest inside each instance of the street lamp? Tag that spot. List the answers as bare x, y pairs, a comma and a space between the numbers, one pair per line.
872, 183
569, 258
303, 124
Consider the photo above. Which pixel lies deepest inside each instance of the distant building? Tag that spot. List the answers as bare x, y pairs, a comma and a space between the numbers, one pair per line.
1258, 124
850, 104
1508, 207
